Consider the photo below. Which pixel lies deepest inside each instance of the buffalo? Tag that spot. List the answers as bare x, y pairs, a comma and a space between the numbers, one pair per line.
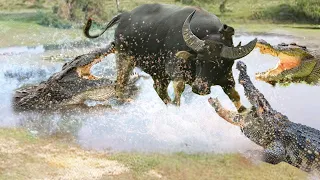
187, 45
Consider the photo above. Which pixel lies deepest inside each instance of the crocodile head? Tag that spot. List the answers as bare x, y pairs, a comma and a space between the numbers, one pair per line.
295, 65
261, 122
281, 139
73, 85
78, 84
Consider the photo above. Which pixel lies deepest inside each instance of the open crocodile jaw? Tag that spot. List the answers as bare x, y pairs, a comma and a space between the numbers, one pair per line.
84, 71
286, 62
101, 91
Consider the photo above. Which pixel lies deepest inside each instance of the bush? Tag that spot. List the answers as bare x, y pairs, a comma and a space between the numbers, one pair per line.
303, 11
80, 10
199, 2
283, 13
311, 9
185, 1
51, 20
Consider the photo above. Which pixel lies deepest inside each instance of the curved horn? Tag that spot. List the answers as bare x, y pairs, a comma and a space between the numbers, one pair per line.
191, 40
238, 52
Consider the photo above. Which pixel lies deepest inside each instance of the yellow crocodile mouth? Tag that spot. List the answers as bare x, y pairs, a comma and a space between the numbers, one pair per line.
84, 71
286, 62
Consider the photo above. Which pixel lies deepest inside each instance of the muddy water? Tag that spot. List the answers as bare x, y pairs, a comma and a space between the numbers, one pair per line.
146, 124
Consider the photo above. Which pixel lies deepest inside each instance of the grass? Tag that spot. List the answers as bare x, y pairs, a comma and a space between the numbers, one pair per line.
240, 11
22, 16
23, 156
29, 33
17, 5
244, 11
16, 33
19, 23
292, 29
20, 20
203, 166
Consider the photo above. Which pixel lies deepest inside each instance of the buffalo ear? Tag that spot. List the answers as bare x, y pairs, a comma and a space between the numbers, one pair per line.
185, 55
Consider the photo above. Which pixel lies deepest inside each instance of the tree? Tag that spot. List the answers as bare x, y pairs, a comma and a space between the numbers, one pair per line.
223, 7
118, 3
78, 10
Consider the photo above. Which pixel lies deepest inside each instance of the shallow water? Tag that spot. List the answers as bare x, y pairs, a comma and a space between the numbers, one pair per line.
147, 124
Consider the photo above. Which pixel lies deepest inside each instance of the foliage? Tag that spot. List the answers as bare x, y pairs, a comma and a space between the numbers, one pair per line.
185, 1
76, 12
19, 33
57, 157
52, 20
302, 11
311, 8
200, 2
80, 10
201, 166
36, 4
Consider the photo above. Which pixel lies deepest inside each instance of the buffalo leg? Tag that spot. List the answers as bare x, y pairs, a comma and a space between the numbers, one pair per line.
125, 65
229, 88
178, 86
234, 97
161, 87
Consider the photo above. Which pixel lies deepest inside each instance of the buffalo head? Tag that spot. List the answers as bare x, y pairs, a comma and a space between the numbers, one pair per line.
214, 57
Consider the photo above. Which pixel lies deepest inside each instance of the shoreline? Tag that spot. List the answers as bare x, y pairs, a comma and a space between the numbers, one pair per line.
308, 36
23, 155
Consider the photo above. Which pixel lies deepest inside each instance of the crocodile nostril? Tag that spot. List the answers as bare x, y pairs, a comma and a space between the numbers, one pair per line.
225, 27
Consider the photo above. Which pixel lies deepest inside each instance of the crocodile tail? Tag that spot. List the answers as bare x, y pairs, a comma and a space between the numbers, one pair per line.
87, 26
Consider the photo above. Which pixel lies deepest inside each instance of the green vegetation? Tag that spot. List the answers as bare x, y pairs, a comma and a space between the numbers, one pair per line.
202, 166
65, 14
23, 156
52, 20
41, 17
15, 33
302, 11
34, 22
18, 135
275, 11
56, 13
31, 21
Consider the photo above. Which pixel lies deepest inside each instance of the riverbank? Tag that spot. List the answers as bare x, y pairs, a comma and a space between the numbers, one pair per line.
23, 155
16, 33
307, 35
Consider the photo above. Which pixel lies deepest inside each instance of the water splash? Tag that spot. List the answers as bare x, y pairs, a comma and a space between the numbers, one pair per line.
146, 124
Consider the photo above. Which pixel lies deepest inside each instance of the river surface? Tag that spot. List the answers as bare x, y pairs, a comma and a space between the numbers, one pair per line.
146, 124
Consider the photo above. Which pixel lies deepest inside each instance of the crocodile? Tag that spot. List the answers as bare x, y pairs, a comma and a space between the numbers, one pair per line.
282, 139
297, 64
73, 85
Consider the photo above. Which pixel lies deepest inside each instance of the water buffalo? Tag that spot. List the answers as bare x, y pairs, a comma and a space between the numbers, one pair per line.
183, 44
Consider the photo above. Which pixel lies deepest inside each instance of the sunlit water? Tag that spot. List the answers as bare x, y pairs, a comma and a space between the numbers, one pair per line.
146, 124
